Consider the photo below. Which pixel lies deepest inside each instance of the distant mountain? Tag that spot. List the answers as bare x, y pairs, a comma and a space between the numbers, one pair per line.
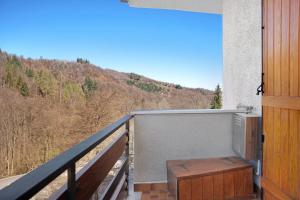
49, 105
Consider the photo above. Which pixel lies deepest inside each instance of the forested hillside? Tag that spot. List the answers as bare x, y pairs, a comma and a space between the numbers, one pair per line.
49, 105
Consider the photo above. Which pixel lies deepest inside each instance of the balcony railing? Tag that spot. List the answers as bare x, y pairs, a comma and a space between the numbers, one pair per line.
81, 185
158, 136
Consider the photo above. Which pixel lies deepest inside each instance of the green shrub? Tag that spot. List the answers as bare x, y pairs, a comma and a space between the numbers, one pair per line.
12, 70
19, 82
9, 78
24, 90
134, 76
72, 91
22, 86
29, 72
15, 62
89, 86
13, 76
130, 82
149, 87
46, 83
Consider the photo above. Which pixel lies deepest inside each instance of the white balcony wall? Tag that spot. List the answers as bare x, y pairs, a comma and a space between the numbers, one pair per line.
167, 135
242, 53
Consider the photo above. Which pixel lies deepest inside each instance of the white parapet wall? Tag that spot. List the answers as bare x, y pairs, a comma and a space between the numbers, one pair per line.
185, 134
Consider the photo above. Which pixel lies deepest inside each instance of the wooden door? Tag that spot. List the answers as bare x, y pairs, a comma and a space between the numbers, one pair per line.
281, 100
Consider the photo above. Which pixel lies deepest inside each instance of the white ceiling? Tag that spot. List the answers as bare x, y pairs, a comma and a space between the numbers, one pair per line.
206, 6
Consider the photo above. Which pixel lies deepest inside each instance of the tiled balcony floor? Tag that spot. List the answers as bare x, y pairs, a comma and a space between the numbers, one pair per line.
157, 195
165, 195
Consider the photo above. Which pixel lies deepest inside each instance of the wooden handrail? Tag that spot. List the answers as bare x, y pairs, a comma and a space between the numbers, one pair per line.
28, 185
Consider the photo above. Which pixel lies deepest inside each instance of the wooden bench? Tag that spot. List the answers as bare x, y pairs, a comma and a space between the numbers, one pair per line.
209, 179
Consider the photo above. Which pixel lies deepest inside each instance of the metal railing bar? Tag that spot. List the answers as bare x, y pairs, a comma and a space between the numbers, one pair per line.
118, 190
33, 182
71, 182
127, 127
116, 180
61, 192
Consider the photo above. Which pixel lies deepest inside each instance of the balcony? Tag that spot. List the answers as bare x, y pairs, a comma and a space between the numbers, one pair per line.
134, 164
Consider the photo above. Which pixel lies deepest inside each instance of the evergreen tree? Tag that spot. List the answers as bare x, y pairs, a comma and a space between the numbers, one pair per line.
216, 102
82, 61
178, 86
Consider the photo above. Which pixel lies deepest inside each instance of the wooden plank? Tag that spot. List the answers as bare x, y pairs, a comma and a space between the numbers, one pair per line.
284, 154
248, 181
202, 167
293, 152
197, 191
270, 30
274, 189
265, 45
229, 185
294, 48
277, 143
251, 138
238, 183
281, 152
298, 52
185, 189
208, 187
285, 51
277, 47
219, 184
265, 169
269, 196
282, 102
298, 153
90, 177
271, 138
218, 187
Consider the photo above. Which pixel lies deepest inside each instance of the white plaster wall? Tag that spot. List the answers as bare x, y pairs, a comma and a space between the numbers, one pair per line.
207, 6
242, 53
161, 137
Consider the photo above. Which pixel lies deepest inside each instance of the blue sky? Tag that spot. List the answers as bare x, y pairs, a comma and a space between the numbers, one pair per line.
173, 46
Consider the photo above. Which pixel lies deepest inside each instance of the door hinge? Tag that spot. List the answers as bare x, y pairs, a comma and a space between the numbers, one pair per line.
260, 88
262, 138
